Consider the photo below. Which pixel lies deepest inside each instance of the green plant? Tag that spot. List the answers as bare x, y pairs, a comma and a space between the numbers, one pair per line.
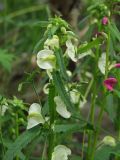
95, 80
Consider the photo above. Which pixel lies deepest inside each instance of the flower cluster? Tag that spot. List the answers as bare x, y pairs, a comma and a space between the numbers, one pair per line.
47, 60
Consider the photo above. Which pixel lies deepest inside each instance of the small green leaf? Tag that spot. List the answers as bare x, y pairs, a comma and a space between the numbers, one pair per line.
105, 151
21, 142
58, 128
90, 45
114, 30
60, 61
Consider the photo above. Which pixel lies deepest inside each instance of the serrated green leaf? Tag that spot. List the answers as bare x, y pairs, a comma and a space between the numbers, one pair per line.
105, 151
60, 61
58, 128
51, 103
21, 142
114, 30
61, 90
89, 46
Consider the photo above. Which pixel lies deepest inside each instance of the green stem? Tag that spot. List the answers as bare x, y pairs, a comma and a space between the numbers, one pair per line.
17, 126
17, 131
1, 138
107, 55
1, 135
44, 149
103, 107
86, 94
52, 118
88, 88
83, 145
92, 108
92, 111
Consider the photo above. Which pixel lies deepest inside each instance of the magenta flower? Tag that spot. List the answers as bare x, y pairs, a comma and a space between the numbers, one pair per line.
105, 20
110, 83
117, 65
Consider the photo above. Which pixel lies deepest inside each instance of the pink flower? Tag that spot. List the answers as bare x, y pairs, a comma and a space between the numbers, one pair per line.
117, 65
105, 20
110, 83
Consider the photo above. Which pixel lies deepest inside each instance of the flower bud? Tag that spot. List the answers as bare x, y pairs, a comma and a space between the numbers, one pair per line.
52, 43
63, 30
117, 65
109, 83
108, 140
49, 26
105, 20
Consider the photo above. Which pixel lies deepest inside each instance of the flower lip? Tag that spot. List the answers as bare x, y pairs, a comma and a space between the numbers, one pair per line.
34, 116
46, 59
117, 65
110, 83
105, 20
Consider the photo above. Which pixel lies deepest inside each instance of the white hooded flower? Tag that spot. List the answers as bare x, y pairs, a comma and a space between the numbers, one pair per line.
3, 109
52, 43
61, 108
75, 96
69, 73
46, 59
61, 152
34, 116
102, 63
71, 51
108, 140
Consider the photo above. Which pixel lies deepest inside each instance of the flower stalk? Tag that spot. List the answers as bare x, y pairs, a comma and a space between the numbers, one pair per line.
51, 137
93, 101
96, 135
